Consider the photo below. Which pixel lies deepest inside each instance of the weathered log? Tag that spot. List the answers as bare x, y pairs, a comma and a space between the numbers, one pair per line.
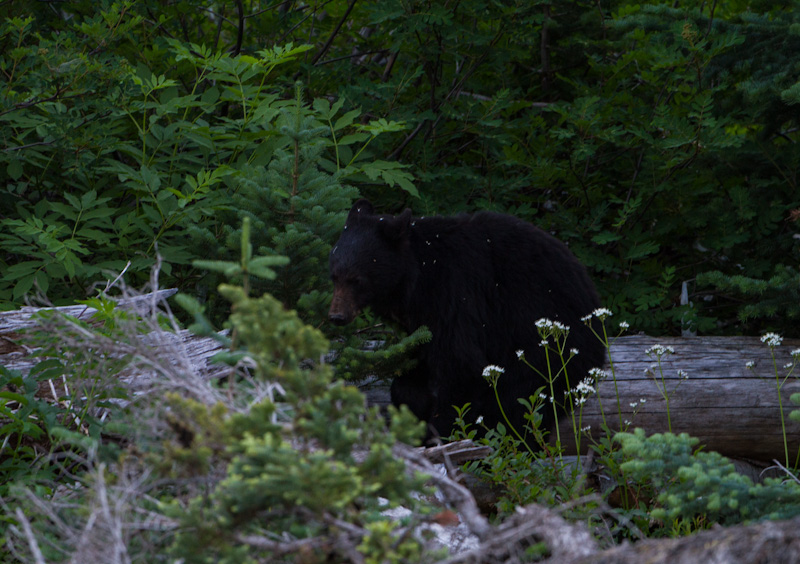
775, 542
19, 319
196, 351
732, 409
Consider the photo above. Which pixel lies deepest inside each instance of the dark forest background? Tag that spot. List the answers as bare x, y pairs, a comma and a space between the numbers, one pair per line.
658, 140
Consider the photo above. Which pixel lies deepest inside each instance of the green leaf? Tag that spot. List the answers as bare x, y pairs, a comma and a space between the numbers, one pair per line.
392, 173
23, 286
14, 169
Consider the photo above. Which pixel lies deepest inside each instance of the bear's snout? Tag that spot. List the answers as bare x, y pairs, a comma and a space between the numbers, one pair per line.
337, 318
342, 310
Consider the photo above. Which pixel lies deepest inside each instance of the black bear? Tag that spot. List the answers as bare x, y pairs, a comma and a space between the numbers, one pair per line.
480, 283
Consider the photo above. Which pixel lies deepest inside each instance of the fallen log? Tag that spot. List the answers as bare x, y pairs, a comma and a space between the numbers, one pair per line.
731, 408
713, 395
196, 352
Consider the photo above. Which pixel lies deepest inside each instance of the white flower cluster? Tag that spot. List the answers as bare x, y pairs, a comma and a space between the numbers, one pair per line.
659, 351
548, 325
598, 374
585, 387
771, 339
487, 372
582, 391
600, 313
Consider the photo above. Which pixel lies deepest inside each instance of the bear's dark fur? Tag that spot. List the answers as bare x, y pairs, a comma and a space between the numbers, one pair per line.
479, 282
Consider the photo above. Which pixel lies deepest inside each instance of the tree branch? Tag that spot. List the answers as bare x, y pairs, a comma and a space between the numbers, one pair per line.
334, 33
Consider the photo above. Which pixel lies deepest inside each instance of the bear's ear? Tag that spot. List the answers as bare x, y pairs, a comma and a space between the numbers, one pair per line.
396, 228
362, 208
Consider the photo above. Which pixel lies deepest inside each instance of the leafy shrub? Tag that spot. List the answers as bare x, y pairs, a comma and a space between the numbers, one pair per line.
279, 462
706, 484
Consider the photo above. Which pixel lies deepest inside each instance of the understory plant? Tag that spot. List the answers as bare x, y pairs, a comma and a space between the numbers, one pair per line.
276, 461
773, 340
690, 483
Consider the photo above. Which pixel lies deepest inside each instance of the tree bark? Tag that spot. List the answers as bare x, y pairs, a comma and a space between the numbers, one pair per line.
773, 542
732, 409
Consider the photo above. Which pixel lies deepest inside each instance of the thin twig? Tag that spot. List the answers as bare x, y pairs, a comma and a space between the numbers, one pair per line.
29, 536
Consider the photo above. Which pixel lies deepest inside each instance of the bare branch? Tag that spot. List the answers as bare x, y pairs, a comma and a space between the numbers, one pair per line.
334, 33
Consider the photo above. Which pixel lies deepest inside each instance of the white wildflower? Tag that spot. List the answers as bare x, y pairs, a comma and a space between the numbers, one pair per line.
750, 364
520, 353
659, 350
586, 429
682, 374
598, 374
487, 372
586, 318
624, 325
544, 343
584, 387
771, 339
573, 351
795, 353
634, 404
479, 420
544, 323
602, 312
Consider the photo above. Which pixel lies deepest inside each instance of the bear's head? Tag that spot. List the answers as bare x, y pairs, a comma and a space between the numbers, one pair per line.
369, 263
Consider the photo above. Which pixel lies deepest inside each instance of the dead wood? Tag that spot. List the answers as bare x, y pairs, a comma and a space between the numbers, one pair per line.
772, 542
729, 407
732, 409
181, 345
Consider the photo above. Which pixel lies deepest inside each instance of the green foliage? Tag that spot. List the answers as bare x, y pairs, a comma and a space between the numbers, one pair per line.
25, 425
303, 462
706, 484
121, 159
358, 359
520, 474
635, 133
657, 140
763, 298
295, 460
303, 474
